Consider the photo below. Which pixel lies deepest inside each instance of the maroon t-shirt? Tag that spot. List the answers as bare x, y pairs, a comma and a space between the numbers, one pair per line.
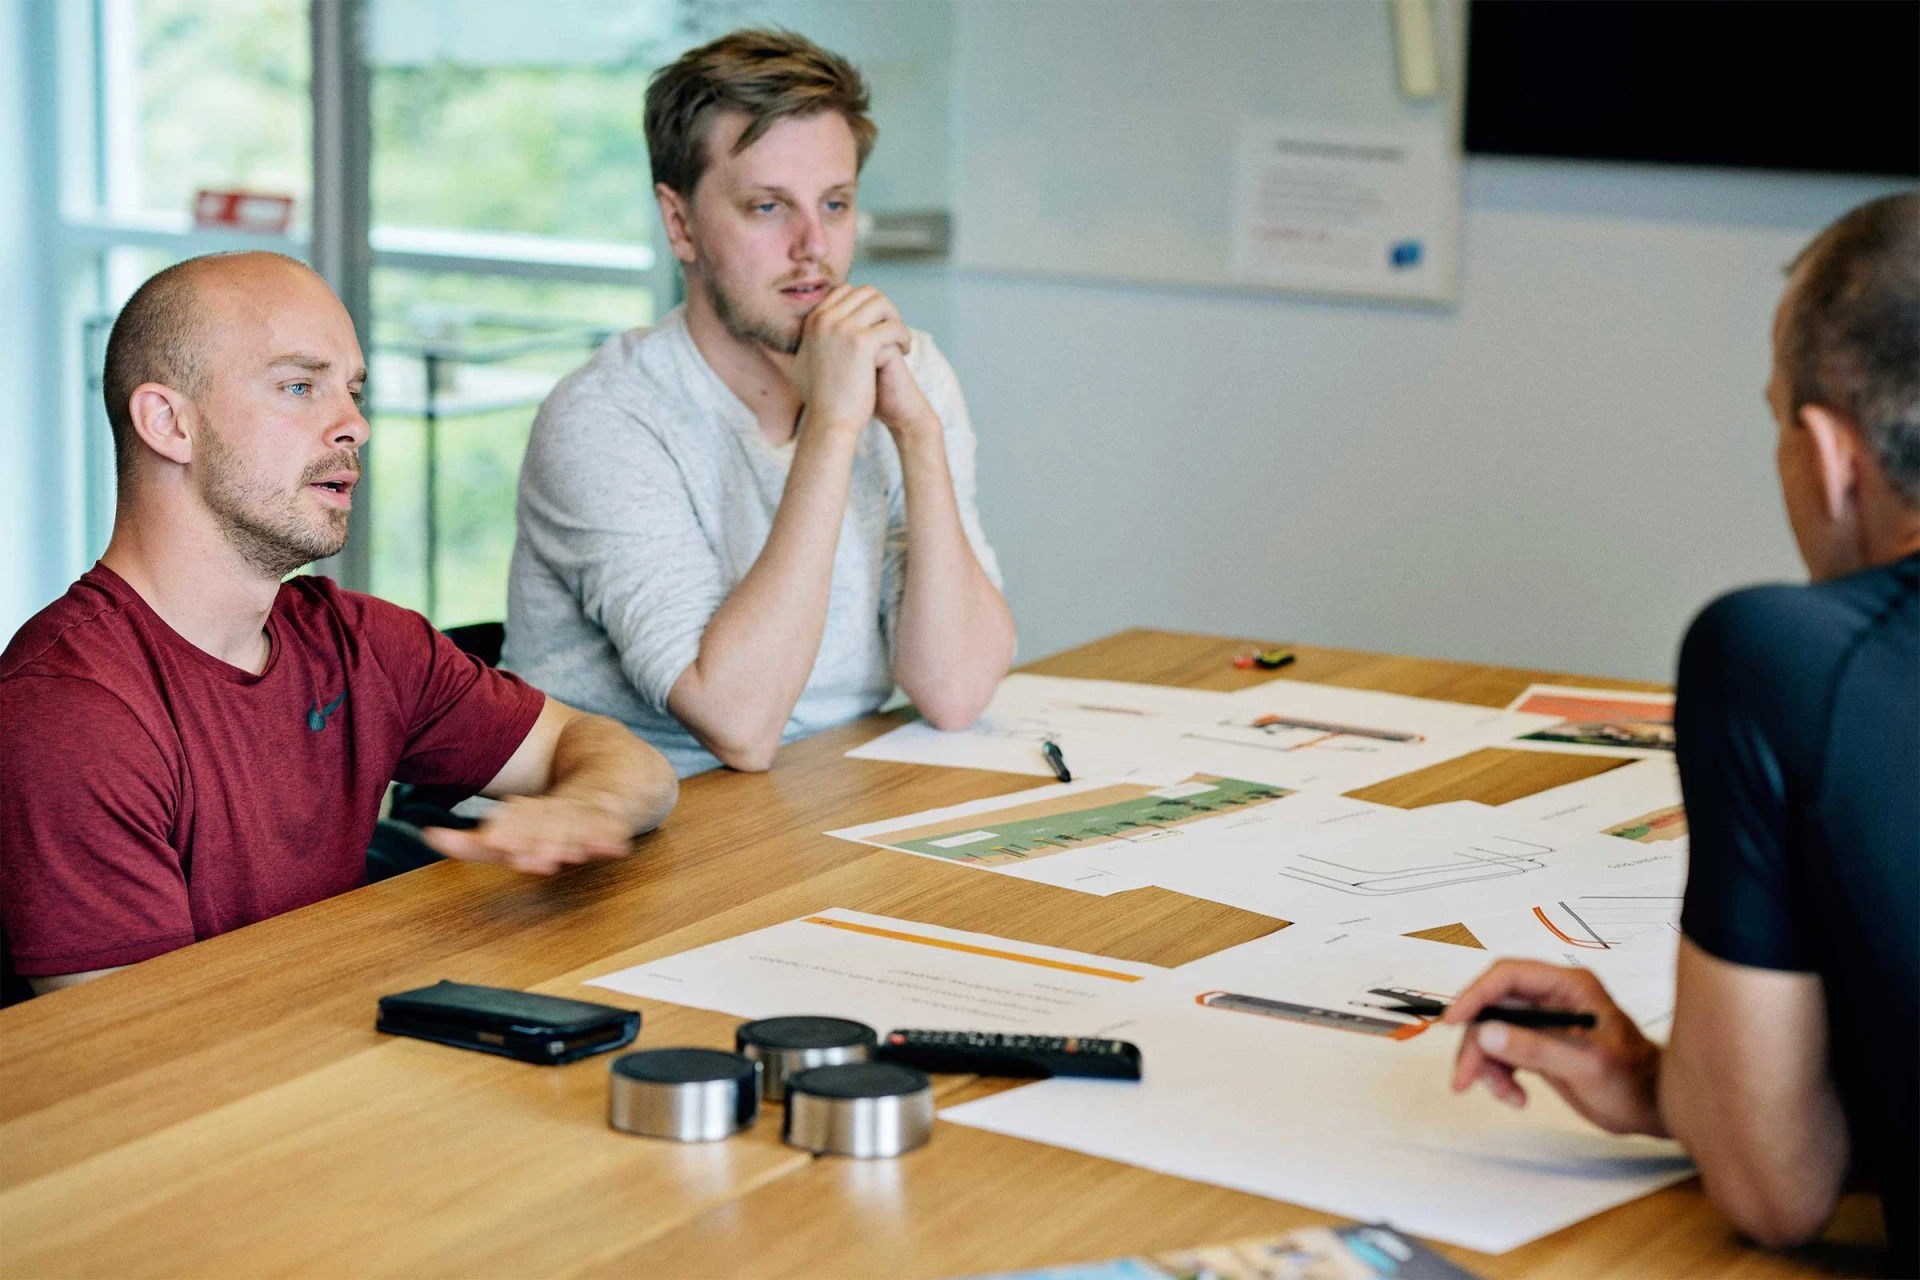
152, 795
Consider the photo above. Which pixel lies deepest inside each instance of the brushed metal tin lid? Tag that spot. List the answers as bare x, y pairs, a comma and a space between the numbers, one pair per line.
785, 1046
863, 1109
687, 1095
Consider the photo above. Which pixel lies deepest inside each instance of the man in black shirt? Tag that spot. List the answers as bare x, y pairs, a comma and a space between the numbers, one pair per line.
1795, 1052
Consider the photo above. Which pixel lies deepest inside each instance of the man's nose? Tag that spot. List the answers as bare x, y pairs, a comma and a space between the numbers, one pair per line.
809, 239
351, 430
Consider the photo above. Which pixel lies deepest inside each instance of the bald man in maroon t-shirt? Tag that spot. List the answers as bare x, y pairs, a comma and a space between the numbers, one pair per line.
188, 743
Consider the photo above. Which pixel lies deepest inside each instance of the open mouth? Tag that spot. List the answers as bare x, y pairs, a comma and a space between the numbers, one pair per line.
807, 291
337, 488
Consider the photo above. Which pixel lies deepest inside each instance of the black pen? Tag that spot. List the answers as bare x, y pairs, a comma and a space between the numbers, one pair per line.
1055, 761
1534, 1017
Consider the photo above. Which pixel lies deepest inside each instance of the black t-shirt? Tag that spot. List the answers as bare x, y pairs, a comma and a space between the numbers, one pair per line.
1798, 726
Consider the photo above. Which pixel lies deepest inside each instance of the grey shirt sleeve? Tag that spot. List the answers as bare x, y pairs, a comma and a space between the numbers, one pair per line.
942, 389
604, 504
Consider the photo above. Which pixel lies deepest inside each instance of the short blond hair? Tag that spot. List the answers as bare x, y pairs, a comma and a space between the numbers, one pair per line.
769, 74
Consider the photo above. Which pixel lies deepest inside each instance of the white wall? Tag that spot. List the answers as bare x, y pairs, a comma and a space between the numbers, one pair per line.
1556, 474
21, 588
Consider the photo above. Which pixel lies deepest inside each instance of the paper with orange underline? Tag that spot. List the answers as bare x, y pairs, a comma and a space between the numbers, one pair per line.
889, 973
1299, 1066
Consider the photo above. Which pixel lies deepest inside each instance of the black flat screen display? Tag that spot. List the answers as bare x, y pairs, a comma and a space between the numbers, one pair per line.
1831, 85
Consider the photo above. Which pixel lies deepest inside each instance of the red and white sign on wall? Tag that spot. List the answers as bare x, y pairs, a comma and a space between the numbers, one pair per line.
243, 211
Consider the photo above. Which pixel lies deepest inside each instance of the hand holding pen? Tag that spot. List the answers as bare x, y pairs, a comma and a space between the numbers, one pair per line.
1608, 1072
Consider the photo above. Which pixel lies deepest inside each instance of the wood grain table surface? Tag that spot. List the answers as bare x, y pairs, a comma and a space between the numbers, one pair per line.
228, 1109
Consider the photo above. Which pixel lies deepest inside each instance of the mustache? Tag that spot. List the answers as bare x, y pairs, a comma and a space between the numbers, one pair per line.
820, 271
344, 460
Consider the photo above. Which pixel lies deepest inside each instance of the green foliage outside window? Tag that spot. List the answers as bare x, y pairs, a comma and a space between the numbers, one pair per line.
224, 101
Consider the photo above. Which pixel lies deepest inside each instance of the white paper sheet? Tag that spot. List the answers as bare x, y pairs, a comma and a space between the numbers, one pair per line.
1630, 939
1105, 729
1093, 838
1597, 722
1402, 870
1638, 801
888, 973
1363, 1125
1300, 734
1112, 730
1329, 207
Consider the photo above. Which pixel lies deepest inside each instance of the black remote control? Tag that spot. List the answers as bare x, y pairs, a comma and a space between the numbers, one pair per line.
998, 1053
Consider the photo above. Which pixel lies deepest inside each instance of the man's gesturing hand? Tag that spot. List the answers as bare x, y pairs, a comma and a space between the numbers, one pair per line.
540, 834
1608, 1074
843, 344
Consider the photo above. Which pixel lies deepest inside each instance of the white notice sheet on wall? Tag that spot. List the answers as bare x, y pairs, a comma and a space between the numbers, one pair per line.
1334, 209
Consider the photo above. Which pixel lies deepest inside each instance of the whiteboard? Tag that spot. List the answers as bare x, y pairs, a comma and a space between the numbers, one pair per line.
1100, 137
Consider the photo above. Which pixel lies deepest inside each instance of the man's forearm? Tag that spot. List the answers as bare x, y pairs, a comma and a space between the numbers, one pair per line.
597, 762
759, 647
954, 637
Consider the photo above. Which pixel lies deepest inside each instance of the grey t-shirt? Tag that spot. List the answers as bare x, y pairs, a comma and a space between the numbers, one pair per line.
647, 493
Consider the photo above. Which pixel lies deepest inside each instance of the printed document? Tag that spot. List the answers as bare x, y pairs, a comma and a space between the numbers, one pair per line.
888, 973
1397, 870
1305, 1066
1597, 722
1629, 938
1289, 733
1302, 734
1104, 728
1638, 801
1075, 835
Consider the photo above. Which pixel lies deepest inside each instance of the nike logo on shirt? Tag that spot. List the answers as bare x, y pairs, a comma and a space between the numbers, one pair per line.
317, 715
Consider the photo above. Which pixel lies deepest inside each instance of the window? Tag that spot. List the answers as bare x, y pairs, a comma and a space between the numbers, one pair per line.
511, 218
498, 139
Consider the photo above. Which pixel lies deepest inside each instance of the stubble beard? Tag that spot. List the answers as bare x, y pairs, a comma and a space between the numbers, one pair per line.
267, 526
760, 331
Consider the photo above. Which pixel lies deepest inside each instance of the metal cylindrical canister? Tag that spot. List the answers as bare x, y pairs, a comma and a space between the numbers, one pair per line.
784, 1046
862, 1109
689, 1095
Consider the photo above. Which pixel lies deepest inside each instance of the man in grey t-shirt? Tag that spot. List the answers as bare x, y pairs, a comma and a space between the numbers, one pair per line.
751, 522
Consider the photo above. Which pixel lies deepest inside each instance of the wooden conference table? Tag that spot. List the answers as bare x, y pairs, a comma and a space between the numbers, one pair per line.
228, 1110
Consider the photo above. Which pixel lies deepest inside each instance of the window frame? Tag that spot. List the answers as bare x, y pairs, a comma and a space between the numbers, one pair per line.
74, 103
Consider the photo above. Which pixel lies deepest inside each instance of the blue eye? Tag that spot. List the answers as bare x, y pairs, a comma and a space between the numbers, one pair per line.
299, 388
765, 208
836, 205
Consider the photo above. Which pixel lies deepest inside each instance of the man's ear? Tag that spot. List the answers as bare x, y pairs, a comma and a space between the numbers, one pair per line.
162, 420
1837, 449
676, 214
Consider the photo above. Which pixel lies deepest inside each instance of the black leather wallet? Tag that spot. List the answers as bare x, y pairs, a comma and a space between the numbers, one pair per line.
515, 1024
